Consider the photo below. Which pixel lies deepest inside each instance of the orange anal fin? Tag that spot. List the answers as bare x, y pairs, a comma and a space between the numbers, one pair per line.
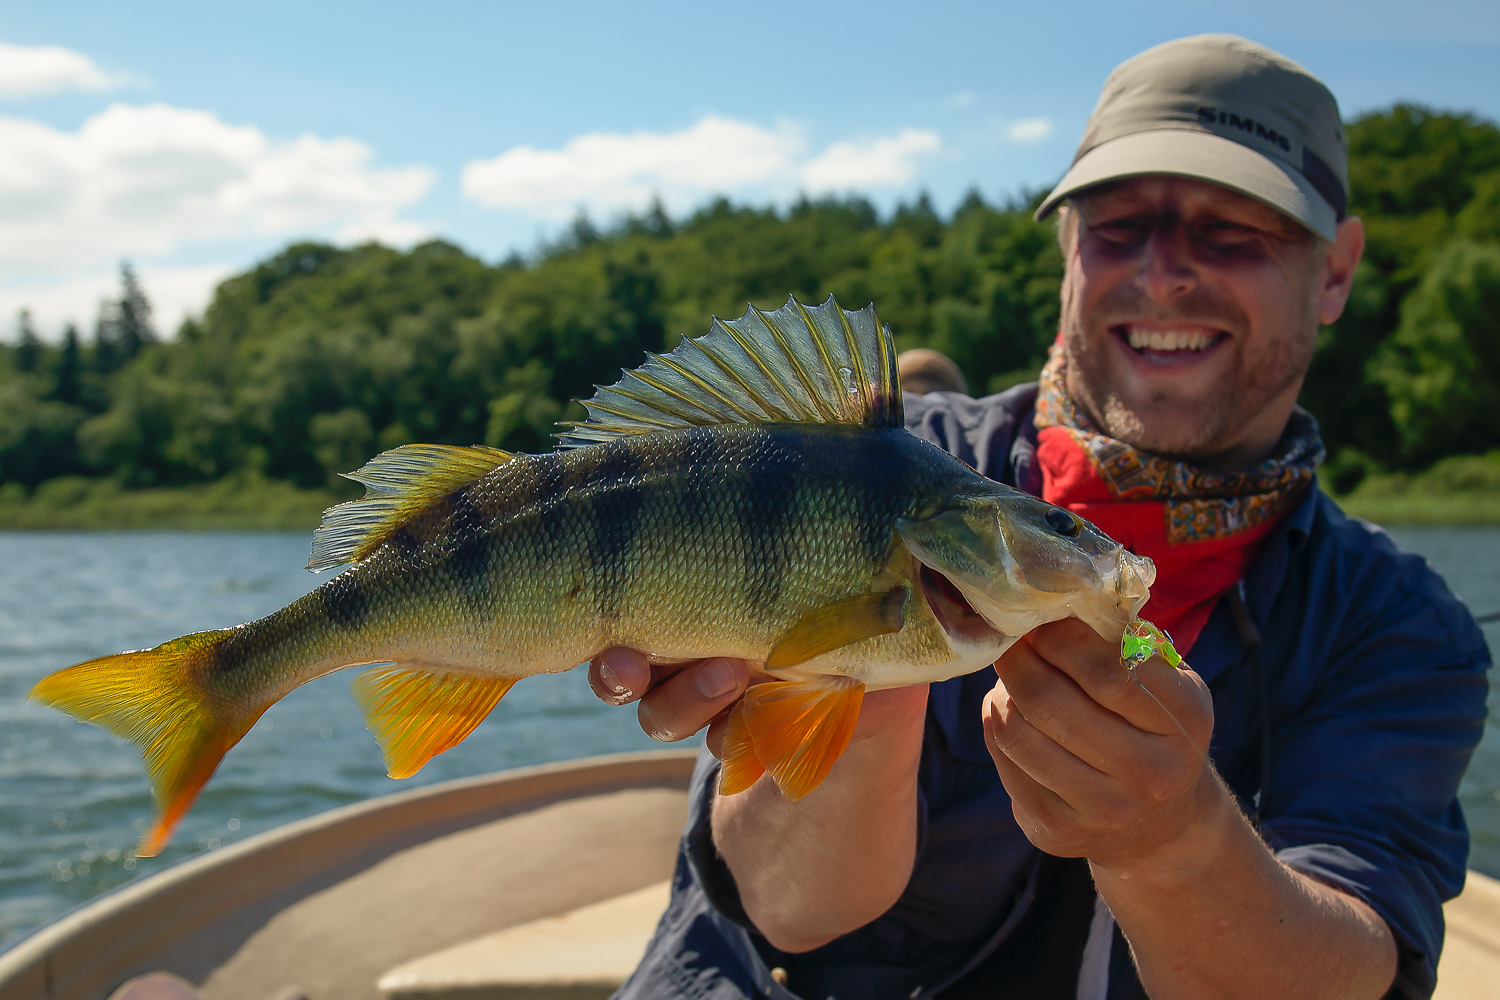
799, 728
838, 624
417, 712
740, 768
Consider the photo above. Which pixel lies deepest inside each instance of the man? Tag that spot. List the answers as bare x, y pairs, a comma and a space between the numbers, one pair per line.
1282, 822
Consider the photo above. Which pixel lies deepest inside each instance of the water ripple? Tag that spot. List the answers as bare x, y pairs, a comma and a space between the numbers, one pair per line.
71, 794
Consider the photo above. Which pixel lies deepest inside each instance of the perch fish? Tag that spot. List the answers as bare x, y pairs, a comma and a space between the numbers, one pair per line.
753, 494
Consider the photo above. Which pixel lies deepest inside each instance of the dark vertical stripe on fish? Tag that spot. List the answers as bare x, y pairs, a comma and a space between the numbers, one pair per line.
696, 454
407, 547
767, 504
468, 534
870, 477
614, 508
344, 600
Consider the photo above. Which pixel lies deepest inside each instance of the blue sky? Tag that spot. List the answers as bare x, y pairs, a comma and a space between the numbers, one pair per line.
195, 139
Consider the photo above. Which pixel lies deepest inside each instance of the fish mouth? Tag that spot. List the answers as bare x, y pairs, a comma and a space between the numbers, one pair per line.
952, 610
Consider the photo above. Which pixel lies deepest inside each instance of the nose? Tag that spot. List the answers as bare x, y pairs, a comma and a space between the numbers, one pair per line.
1166, 272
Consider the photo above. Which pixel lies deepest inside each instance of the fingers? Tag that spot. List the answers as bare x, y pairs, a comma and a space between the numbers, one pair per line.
620, 676
1065, 707
1012, 738
1093, 663
1052, 702
1041, 812
690, 699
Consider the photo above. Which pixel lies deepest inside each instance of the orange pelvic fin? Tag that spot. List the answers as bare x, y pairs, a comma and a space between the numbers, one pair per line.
741, 768
799, 728
418, 711
156, 699
838, 624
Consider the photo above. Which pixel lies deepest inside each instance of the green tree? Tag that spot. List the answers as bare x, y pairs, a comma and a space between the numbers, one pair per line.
308, 363
28, 350
1442, 367
67, 375
1414, 172
132, 316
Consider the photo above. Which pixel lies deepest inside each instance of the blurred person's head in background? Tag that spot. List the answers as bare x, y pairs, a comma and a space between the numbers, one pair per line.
924, 370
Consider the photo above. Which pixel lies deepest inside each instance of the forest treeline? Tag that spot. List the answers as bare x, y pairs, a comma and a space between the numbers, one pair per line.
320, 357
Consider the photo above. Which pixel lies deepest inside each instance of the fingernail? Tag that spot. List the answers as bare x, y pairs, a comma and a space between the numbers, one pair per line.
716, 678
611, 680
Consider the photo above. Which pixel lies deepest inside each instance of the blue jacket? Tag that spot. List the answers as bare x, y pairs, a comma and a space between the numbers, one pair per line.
1375, 683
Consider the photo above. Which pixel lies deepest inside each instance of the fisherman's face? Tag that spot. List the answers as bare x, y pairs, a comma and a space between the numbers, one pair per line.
1190, 313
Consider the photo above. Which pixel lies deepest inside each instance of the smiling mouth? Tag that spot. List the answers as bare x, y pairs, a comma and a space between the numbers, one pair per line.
951, 608
1168, 343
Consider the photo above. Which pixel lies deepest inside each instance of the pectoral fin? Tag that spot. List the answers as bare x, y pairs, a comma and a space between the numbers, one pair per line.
838, 624
417, 712
799, 728
741, 768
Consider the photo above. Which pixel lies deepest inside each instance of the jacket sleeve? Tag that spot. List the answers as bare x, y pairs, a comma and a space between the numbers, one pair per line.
1378, 714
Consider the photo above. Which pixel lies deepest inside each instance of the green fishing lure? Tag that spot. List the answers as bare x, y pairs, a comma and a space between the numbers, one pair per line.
1142, 640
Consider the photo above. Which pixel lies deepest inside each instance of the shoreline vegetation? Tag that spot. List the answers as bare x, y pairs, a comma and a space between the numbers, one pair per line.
1459, 491
313, 361
236, 503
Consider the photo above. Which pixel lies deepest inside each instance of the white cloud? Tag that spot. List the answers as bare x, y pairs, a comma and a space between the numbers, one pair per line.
144, 181
1029, 130
606, 172
889, 161
33, 71
174, 293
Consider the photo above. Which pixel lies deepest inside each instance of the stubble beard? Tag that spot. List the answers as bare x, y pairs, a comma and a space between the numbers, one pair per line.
1192, 426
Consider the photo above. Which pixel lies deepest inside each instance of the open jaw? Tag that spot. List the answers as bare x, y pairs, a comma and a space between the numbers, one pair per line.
952, 609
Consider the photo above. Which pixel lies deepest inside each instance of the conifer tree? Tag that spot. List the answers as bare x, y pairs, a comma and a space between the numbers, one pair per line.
133, 314
69, 364
28, 347
106, 357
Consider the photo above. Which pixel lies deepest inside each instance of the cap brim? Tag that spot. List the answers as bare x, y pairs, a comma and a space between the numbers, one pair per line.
1205, 156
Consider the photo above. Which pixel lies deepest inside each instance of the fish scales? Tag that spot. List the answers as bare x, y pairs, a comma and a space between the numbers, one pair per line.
754, 495
653, 545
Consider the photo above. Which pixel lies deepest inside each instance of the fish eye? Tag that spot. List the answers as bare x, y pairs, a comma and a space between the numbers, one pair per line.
1062, 522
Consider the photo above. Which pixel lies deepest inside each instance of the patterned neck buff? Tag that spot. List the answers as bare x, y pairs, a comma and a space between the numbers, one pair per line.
1202, 529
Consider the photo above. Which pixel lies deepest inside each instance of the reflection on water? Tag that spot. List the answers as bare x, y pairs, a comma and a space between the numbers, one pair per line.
73, 799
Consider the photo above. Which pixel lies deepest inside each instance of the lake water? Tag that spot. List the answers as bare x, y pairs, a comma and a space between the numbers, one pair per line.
73, 799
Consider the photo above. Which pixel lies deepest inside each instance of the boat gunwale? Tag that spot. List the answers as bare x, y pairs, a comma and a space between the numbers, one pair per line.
101, 943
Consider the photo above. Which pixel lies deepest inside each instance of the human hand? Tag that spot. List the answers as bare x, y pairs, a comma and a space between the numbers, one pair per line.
1094, 767
675, 700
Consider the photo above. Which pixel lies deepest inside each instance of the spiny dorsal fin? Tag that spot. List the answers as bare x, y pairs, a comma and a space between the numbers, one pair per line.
398, 484
822, 365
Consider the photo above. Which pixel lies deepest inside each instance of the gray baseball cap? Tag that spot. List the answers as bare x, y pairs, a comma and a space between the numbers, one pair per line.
1223, 109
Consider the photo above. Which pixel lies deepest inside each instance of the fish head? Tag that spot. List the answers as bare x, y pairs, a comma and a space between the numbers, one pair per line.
1019, 562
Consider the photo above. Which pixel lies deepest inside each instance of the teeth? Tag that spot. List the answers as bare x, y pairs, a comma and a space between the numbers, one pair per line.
1169, 340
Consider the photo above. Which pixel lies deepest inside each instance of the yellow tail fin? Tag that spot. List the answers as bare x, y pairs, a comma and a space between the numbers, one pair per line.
155, 699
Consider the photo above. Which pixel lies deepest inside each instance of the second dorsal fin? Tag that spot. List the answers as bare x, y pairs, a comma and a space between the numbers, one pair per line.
798, 364
398, 483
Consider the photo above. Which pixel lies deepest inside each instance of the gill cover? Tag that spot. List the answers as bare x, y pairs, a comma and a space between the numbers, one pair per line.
1020, 568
